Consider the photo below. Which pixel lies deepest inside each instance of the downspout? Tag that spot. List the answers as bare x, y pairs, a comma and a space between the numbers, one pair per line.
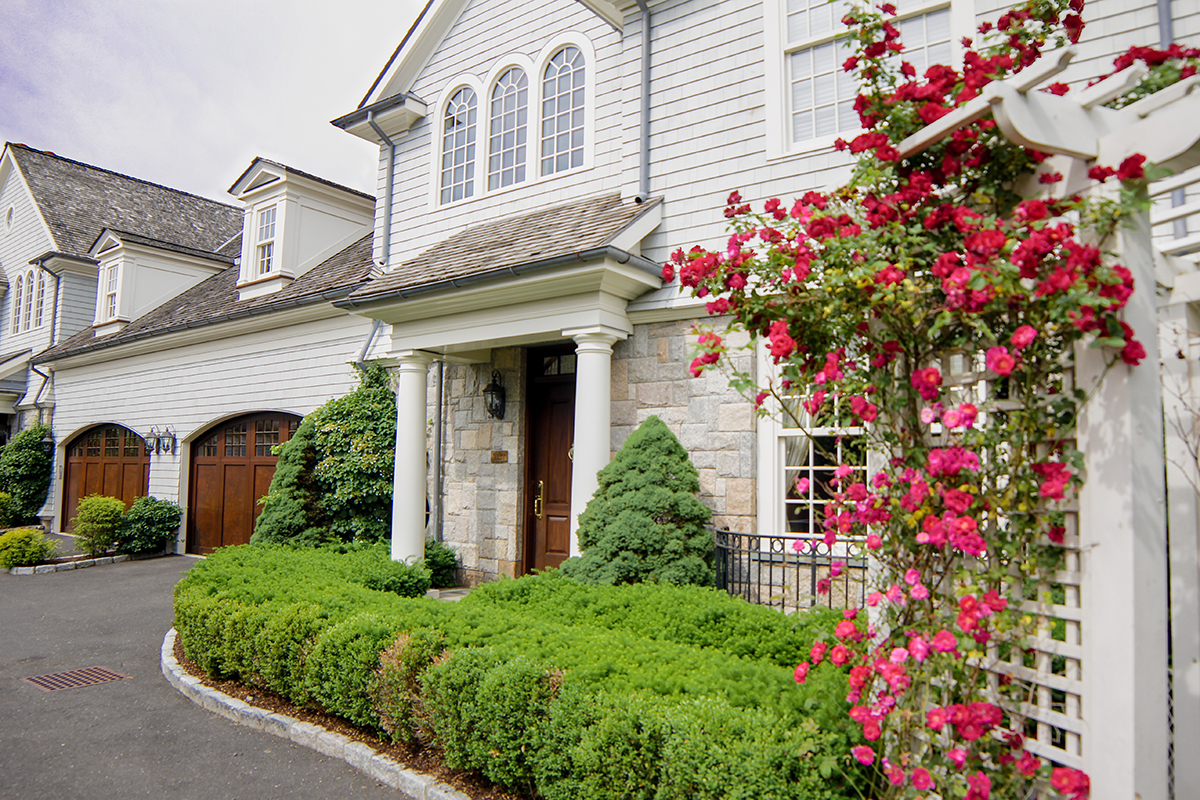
1166, 35
644, 123
436, 510
37, 399
376, 324
385, 247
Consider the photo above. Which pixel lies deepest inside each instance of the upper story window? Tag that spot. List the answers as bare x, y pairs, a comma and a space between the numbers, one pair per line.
112, 281
820, 93
458, 147
265, 248
563, 111
28, 298
508, 129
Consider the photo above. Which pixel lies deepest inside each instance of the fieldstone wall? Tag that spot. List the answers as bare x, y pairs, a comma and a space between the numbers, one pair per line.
713, 422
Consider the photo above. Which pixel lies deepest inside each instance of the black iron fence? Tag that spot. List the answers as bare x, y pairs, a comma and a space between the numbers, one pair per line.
791, 572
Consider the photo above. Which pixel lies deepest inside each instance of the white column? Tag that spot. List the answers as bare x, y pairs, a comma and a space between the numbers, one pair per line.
1122, 539
593, 415
409, 478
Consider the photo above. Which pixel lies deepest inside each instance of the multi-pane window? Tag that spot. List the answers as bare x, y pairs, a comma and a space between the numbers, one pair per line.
563, 103
458, 146
111, 282
821, 93
235, 440
265, 252
507, 130
17, 296
812, 448
39, 299
27, 309
266, 436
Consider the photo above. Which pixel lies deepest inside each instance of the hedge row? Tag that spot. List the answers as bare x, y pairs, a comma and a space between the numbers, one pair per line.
584, 702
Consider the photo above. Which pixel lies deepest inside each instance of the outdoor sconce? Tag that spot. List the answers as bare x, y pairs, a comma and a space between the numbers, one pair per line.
161, 441
493, 397
47, 445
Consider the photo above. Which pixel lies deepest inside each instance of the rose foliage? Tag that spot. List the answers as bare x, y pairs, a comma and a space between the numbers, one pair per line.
932, 303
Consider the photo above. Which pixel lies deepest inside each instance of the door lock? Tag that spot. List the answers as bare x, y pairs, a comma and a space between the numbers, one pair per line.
537, 501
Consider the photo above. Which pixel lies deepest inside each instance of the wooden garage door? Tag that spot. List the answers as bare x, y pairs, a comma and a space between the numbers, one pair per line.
108, 460
232, 467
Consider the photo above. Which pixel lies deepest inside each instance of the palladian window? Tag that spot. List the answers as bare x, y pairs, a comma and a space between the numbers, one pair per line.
507, 132
458, 147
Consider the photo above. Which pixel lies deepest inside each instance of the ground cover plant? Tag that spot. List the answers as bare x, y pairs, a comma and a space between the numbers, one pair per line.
860, 296
535, 701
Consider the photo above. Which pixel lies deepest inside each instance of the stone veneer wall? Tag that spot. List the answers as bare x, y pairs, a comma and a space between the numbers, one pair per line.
715, 424
482, 500
480, 505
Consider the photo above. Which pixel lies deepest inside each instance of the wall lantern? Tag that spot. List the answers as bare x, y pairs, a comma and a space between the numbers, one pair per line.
47, 444
161, 441
493, 396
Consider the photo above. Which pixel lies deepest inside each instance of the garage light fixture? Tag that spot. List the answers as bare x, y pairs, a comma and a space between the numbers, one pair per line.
163, 441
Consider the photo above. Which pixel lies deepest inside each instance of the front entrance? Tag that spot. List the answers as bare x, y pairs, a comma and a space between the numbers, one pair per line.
551, 426
232, 467
108, 460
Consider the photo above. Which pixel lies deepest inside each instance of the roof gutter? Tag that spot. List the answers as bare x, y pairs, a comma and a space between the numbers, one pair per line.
591, 254
310, 300
53, 254
644, 123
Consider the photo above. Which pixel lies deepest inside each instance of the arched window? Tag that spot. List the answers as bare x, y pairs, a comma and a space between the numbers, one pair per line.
458, 146
17, 296
27, 313
563, 111
39, 300
506, 145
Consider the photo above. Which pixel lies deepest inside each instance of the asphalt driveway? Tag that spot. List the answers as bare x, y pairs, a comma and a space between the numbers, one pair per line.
137, 737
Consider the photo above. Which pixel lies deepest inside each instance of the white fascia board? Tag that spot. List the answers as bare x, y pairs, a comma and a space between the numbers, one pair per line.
393, 120
413, 59
9, 166
14, 365
204, 333
630, 238
608, 11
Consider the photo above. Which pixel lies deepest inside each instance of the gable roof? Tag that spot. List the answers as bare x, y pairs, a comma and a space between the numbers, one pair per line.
78, 201
259, 162
536, 240
215, 300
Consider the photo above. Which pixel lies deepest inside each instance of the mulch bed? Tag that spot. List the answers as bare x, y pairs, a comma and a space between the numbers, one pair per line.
426, 760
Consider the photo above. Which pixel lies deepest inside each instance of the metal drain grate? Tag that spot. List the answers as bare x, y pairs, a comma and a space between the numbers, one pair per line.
74, 679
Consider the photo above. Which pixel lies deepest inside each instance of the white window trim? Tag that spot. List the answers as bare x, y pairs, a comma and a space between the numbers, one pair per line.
256, 253
27, 309
39, 300
534, 70
778, 85
18, 296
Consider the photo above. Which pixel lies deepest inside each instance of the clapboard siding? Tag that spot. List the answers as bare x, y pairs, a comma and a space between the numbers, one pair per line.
293, 369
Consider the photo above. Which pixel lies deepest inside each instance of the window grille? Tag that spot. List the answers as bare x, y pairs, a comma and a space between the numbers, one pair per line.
266, 240
509, 123
458, 147
563, 102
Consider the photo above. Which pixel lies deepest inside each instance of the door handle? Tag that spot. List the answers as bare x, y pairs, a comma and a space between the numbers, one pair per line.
537, 501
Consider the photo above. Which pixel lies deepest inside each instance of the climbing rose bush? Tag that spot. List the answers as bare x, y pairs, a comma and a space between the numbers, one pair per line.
960, 253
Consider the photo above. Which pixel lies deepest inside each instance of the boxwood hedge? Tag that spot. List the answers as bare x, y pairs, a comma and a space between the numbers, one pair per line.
545, 686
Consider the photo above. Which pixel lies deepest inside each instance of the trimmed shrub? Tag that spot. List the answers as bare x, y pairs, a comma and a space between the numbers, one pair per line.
150, 524
442, 563
339, 674
397, 688
644, 522
25, 472
291, 512
384, 575
96, 522
24, 547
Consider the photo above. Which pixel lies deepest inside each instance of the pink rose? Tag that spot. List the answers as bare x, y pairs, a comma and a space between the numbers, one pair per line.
1000, 362
1023, 336
864, 754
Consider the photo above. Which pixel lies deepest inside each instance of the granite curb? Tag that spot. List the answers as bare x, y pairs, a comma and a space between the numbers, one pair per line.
412, 784
66, 566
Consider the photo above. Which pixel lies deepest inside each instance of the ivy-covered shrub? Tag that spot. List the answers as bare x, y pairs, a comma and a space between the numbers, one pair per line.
644, 522
442, 563
334, 477
25, 473
24, 547
96, 522
6, 510
150, 524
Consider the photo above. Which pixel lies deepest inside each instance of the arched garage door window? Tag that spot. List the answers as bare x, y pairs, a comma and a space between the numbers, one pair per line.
232, 467
109, 460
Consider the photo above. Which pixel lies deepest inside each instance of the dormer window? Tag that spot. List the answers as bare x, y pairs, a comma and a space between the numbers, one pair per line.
458, 147
509, 120
563, 111
112, 281
265, 250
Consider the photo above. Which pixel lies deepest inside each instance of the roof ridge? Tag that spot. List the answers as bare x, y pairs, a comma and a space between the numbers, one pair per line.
120, 174
155, 240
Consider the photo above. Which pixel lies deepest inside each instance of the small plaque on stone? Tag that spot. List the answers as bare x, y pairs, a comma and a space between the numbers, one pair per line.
499, 456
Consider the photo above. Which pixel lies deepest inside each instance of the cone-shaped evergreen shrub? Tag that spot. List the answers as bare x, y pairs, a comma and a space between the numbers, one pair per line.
290, 509
25, 473
644, 523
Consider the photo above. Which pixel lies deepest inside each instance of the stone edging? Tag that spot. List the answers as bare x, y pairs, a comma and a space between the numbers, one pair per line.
65, 566
412, 784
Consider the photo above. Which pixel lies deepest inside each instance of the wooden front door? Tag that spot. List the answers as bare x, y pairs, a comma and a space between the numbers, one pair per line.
108, 460
551, 429
232, 467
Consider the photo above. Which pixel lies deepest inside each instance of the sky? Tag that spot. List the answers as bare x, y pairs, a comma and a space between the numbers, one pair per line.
186, 93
